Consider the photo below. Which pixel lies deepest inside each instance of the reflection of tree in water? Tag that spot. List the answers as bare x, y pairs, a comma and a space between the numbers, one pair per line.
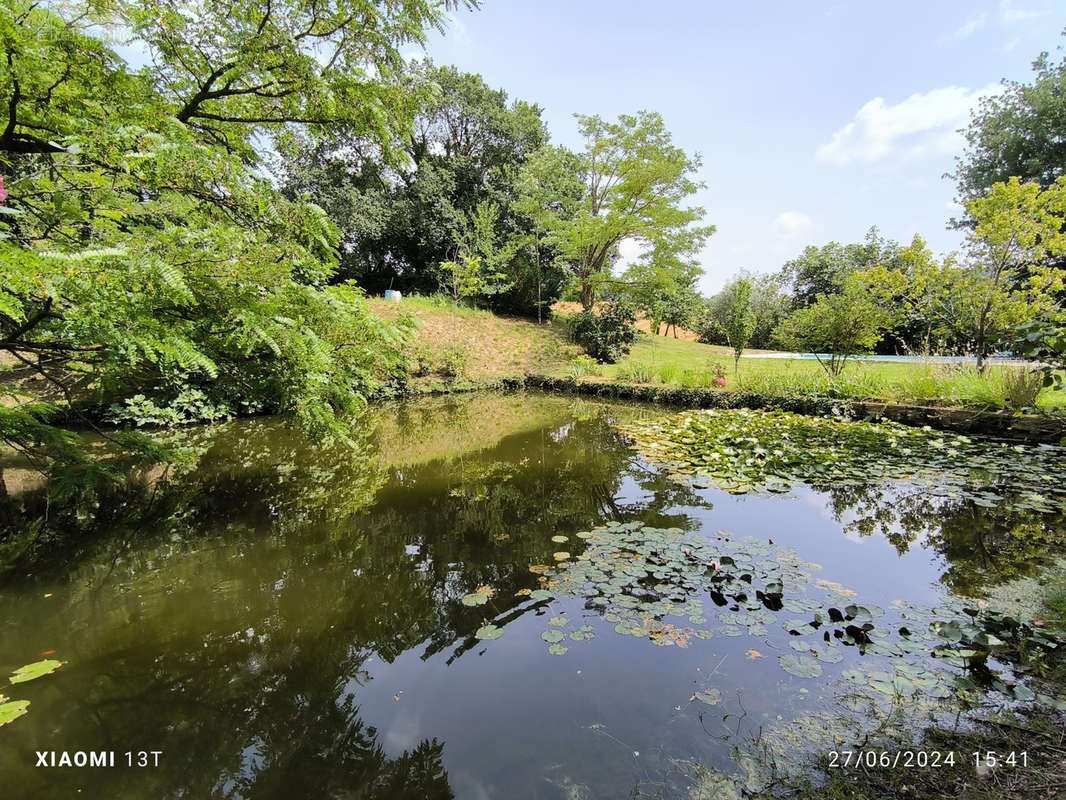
984, 546
238, 636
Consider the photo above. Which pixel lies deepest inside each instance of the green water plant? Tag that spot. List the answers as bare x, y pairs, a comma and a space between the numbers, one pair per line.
742, 451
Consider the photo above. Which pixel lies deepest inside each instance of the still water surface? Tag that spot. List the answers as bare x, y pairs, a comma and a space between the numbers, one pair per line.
294, 626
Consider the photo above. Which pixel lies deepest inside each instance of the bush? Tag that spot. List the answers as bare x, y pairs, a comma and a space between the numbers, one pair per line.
1022, 386
639, 373
453, 361
606, 336
581, 366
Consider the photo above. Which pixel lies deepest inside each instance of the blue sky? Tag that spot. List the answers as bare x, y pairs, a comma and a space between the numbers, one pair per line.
814, 120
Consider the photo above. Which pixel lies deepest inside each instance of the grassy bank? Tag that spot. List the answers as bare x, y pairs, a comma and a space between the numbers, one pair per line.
457, 347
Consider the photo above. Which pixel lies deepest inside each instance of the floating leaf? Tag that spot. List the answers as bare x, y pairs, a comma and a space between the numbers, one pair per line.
552, 636
489, 632
558, 622
753, 654
800, 665
562, 555
560, 538
557, 650
474, 599
35, 670
711, 697
12, 710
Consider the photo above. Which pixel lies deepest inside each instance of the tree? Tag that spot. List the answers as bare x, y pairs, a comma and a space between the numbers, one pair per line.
548, 189
479, 257
400, 218
662, 285
1017, 226
822, 270
635, 181
1019, 132
769, 303
913, 288
740, 319
836, 326
144, 250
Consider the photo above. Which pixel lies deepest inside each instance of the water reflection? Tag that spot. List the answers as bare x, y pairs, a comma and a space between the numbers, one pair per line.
288, 621
982, 546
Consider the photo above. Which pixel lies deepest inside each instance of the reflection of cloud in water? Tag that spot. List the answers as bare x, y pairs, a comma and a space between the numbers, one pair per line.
404, 733
560, 434
632, 492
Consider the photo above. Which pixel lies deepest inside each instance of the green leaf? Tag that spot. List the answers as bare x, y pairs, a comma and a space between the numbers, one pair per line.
12, 710
489, 632
35, 670
802, 666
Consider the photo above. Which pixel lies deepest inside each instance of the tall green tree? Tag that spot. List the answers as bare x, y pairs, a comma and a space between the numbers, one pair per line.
662, 285
1009, 280
1019, 132
740, 319
636, 181
400, 219
549, 190
144, 250
822, 270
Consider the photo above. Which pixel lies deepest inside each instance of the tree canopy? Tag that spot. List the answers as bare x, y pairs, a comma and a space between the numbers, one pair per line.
635, 181
143, 248
1017, 133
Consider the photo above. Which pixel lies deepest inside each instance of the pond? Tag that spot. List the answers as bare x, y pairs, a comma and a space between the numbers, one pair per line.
501, 596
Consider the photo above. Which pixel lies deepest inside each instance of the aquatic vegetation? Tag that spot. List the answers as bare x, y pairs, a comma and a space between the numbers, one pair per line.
744, 451
640, 578
10, 710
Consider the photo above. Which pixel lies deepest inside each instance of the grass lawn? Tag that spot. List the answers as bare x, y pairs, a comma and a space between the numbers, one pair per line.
659, 359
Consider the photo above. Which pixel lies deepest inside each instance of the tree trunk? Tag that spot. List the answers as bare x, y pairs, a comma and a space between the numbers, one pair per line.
587, 297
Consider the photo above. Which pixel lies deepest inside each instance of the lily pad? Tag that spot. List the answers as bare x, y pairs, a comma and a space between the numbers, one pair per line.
552, 636
12, 710
711, 697
557, 650
802, 666
489, 632
560, 538
474, 599
35, 670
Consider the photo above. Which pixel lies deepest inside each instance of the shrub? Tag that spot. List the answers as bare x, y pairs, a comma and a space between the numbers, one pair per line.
719, 378
581, 366
453, 361
638, 373
606, 336
1022, 386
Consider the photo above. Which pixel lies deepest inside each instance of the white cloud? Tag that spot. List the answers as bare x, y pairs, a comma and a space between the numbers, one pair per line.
1009, 46
1008, 12
971, 26
924, 124
790, 224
